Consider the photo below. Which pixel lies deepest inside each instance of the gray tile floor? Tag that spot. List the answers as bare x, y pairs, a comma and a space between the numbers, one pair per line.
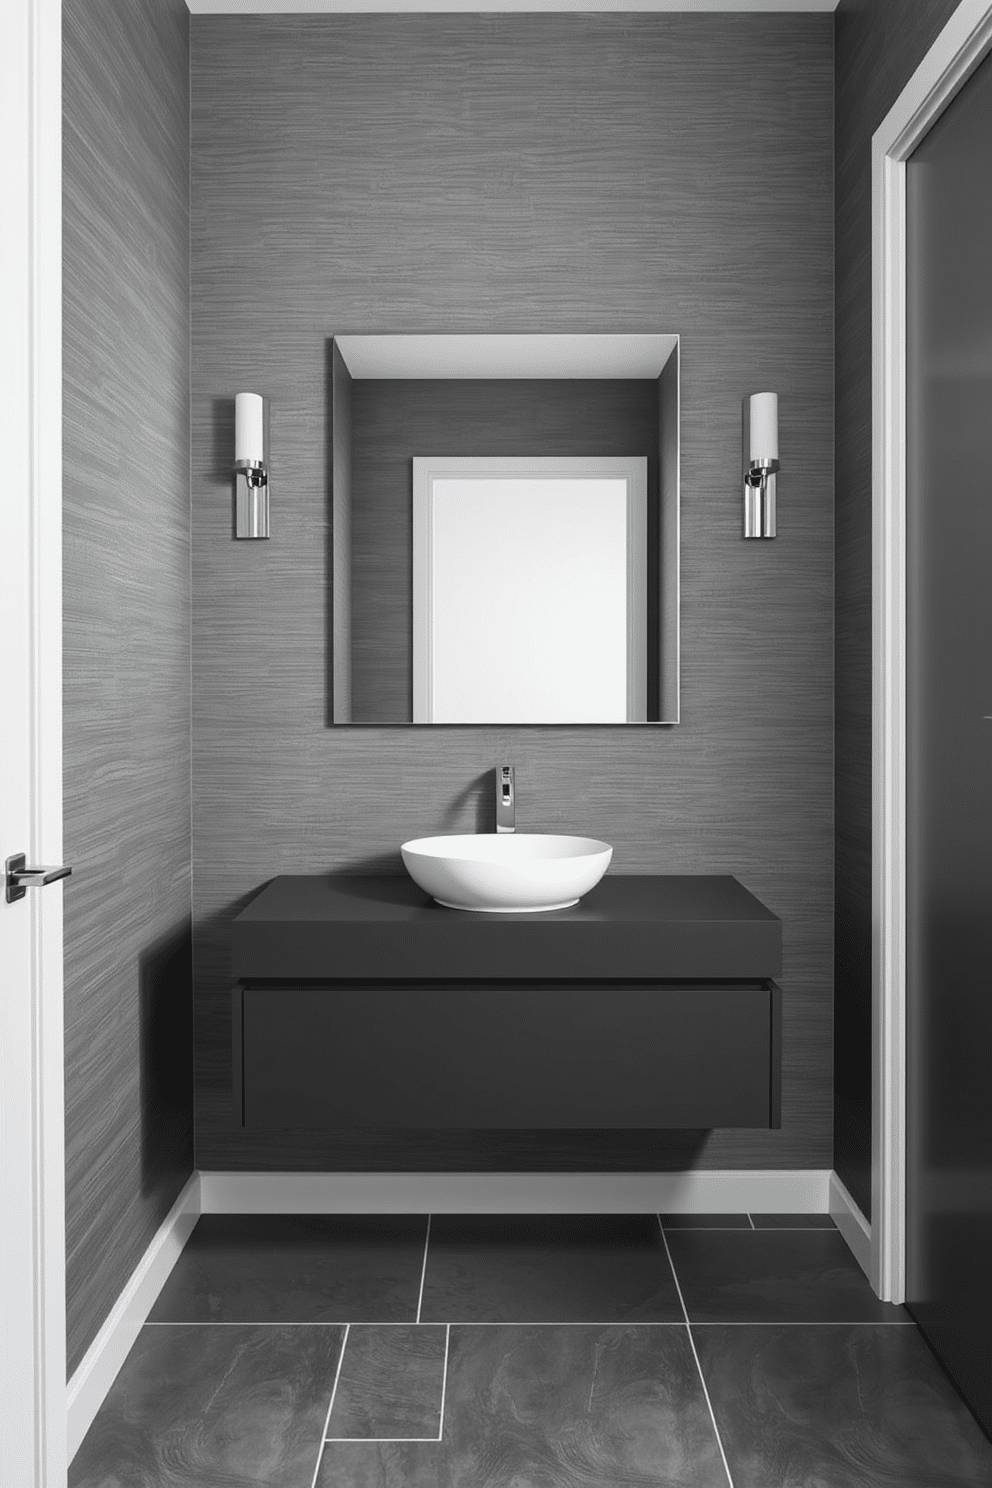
528, 1352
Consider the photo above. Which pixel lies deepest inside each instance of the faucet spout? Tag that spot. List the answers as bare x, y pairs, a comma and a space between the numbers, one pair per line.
505, 799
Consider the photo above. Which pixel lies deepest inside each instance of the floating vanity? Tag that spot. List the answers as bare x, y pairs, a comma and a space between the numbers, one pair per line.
652, 1003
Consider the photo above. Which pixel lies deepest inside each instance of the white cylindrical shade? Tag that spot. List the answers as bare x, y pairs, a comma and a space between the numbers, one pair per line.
248, 428
764, 426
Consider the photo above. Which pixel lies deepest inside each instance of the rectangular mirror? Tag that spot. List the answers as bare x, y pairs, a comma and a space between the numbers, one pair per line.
528, 570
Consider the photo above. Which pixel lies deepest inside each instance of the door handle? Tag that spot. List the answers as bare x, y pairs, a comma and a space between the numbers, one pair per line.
18, 878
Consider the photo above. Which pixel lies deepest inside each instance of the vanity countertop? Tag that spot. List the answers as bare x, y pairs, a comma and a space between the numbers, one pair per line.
662, 927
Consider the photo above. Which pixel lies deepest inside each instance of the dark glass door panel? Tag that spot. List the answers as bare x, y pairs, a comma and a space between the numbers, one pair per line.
949, 798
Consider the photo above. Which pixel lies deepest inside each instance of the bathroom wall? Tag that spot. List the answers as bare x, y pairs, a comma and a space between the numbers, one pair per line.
518, 173
126, 602
879, 45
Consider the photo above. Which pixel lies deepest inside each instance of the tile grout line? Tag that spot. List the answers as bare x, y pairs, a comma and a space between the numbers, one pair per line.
330, 1406
692, 1345
444, 1381
716, 1229
338, 1441
824, 1229
906, 1322
423, 1270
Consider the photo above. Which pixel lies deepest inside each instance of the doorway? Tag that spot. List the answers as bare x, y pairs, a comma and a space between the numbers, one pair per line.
949, 737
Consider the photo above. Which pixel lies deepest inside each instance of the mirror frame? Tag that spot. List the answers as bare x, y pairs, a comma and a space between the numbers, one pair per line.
549, 357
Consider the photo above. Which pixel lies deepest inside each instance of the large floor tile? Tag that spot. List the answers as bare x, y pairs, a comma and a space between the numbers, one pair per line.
554, 1407
548, 1269
242, 1406
792, 1222
772, 1276
385, 1465
390, 1383
841, 1407
297, 1268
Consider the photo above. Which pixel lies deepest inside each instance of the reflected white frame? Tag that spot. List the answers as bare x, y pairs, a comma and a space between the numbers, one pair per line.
428, 469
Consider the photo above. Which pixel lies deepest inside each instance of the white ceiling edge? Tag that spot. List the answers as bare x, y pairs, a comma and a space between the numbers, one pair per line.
534, 7
497, 357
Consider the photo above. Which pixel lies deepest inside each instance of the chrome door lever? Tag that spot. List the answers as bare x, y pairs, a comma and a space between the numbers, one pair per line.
18, 878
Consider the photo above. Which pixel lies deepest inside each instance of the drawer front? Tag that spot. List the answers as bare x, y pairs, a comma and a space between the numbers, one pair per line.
506, 1056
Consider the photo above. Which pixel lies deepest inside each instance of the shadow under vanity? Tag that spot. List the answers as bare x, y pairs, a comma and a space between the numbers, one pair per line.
652, 1003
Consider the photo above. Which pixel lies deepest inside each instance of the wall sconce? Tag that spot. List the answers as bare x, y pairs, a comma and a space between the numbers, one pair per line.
251, 478
760, 464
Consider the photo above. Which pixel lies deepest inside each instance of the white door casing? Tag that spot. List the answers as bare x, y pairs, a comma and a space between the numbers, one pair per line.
955, 54
32, 1166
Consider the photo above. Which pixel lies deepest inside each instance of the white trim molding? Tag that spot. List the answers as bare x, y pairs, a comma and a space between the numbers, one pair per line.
699, 1191
101, 1363
344, 7
955, 54
851, 1222
32, 1064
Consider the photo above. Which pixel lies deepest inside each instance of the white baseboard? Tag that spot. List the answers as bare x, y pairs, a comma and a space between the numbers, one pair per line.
715, 1191
851, 1223
99, 1366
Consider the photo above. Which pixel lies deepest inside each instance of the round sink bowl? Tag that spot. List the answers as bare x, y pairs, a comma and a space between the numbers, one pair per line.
508, 873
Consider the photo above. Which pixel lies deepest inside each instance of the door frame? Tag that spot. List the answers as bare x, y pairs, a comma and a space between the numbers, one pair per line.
958, 50
32, 1069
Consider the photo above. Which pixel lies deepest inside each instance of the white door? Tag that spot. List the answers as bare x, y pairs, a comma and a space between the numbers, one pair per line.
32, 1167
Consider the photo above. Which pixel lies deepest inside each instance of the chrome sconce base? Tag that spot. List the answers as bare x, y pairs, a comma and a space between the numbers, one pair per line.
251, 483
759, 498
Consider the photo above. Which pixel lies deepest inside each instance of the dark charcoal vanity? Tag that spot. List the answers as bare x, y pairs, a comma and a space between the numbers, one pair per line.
651, 1003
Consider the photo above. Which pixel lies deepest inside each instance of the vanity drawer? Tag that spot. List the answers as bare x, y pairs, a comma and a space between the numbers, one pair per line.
545, 1055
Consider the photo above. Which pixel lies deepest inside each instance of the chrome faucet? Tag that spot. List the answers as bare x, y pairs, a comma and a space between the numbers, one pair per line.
505, 799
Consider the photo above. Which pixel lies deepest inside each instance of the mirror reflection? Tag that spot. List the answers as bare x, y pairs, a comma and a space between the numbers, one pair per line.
529, 591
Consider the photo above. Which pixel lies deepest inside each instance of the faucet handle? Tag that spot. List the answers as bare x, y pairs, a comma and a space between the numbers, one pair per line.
505, 799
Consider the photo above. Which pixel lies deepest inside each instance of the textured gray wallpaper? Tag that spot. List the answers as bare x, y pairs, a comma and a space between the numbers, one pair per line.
879, 45
129, 1131
508, 173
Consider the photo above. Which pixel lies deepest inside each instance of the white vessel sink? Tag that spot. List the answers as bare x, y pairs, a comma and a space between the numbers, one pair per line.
510, 873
